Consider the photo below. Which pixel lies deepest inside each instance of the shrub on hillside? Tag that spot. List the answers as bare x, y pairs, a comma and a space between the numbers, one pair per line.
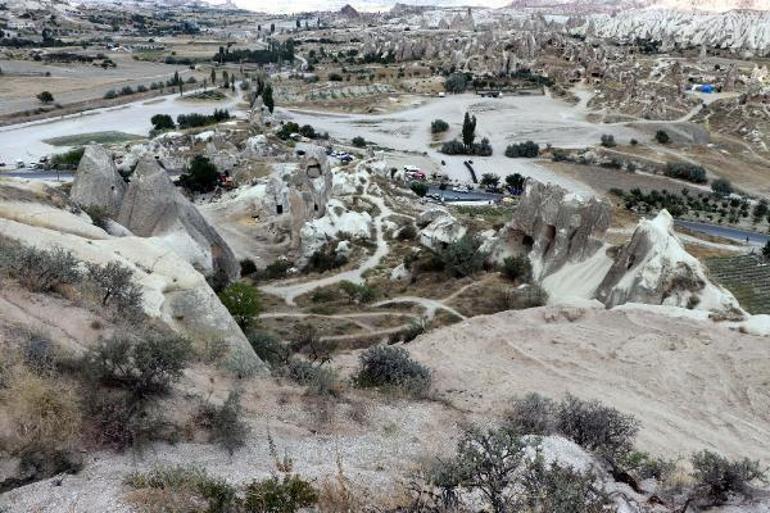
142, 365
597, 427
70, 159
181, 489
453, 147
463, 257
719, 478
359, 142
608, 141
99, 216
533, 414
288, 494
662, 137
200, 176
517, 268
325, 259
243, 302
419, 188
115, 286
269, 349
722, 187
684, 171
225, 422
360, 293
39, 270
287, 129
392, 368
320, 380
162, 122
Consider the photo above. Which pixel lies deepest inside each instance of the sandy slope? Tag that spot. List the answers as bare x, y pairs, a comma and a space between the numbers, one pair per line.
694, 384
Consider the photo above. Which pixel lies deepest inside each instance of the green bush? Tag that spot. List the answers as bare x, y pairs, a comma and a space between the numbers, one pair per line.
39, 270
120, 421
325, 259
200, 176
320, 380
608, 141
517, 268
419, 188
439, 126
463, 257
359, 142
162, 122
111, 94
662, 137
529, 150
142, 365
99, 216
68, 160
392, 368
685, 171
287, 129
719, 478
269, 349
225, 422
645, 466
515, 181
722, 187
490, 180
533, 414
243, 302
456, 83
274, 495
598, 428
113, 282
360, 293
407, 232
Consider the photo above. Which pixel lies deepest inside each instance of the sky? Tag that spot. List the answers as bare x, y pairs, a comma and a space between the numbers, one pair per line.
289, 6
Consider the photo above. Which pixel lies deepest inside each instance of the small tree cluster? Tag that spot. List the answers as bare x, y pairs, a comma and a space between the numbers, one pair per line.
243, 302
517, 268
463, 257
685, 171
529, 150
225, 423
438, 126
608, 141
201, 175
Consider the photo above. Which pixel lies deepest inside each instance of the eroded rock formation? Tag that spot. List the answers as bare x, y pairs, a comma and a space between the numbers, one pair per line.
97, 181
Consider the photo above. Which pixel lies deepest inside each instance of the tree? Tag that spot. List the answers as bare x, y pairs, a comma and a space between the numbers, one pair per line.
608, 141
213, 77
438, 126
455, 83
515, 181
662, 137
201, 175
722, 187
517, 268
267, 97
243, 303
359, 142
766, 250
162, 122
490, 180
272, 28
45, 97
419, 188
463, 257
469, 130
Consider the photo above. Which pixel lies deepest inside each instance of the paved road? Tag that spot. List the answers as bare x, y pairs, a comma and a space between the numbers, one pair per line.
43, 175
449, 195
755, 239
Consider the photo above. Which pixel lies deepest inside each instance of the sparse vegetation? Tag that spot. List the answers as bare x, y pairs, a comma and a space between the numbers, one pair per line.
517, 268
463, 257
685, 171
201, 175
439, 126
243, 302
419, 188
392, 368
225, 422
528, 150
662, 137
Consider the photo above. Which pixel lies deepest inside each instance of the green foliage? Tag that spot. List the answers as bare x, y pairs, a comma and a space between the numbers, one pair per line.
196, 120
359, 142
453, 147
645, 466
267, 97
596, 427
70, 159
392, 368
662, 137
269, 349
114, 283
320, 380
307, 131
517, 268
225, 422
99, 216
469, 130
490, 180
162, 122
45, 97
533, 414
497, 466
39, 270
144, 366
407, 232
325, 259
722, 187
463, 257
201, 175
608, 141
456, 83
360, 293
419, 188
439, 126
515, 181
187, 484
719, 478
287, 129
274, 495
686, 171
529, 150
766, 250
243, 302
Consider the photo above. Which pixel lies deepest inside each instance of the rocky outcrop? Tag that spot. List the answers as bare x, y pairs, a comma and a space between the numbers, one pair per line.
97, 181
654, 268
338, 222
439, 228
554, 227
153, 207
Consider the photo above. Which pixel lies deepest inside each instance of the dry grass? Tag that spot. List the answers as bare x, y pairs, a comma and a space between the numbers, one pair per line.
43, 411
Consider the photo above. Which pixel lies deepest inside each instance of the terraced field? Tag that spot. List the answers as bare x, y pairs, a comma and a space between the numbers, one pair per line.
747, 277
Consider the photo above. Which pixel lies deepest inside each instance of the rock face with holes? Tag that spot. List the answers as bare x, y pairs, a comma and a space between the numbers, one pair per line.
654, 268
97, 181
154, 207
554, 227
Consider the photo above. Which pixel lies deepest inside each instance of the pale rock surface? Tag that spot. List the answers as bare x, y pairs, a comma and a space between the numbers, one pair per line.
654, 268
154, 207
97, 181
441, 230
338, 220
